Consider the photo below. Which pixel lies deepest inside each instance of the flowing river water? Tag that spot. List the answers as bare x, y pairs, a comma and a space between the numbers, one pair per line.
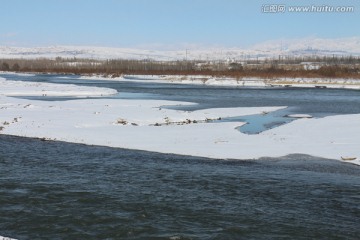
55, 190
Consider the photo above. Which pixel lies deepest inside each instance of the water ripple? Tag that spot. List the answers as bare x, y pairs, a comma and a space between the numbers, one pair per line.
57, 190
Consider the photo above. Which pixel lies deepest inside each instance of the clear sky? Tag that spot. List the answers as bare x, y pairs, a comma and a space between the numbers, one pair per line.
167, 23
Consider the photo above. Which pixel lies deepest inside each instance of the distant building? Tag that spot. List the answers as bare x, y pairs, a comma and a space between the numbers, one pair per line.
311, 65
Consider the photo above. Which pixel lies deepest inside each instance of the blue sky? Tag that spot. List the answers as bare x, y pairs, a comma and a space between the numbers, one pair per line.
167, 23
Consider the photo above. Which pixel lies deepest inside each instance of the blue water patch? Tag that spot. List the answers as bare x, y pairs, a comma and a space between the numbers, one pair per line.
255, 123
258, 123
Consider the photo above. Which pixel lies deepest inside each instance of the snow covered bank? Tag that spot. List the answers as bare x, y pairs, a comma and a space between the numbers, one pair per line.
17, 88
253, 82
144, 125
6, 238
340, 83
17, 74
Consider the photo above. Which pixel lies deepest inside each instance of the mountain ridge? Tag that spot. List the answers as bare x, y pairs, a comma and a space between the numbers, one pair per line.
268, 49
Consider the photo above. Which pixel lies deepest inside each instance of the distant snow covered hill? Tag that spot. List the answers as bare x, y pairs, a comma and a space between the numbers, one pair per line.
270, 49
340, 46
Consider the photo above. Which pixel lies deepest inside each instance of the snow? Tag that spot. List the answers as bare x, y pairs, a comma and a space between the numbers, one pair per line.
18, 74
146, 125
18, 88
340, 83
299, 116
6, 238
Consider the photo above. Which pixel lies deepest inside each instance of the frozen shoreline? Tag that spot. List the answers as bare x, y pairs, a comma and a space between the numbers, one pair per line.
334, 83
17, 88
339, 83
132, 124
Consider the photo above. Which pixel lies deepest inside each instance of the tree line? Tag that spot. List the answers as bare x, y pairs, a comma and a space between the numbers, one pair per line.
330, 67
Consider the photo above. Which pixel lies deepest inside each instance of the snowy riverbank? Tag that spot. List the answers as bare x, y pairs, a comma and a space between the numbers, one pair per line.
146, 125
18, 88
340, 83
